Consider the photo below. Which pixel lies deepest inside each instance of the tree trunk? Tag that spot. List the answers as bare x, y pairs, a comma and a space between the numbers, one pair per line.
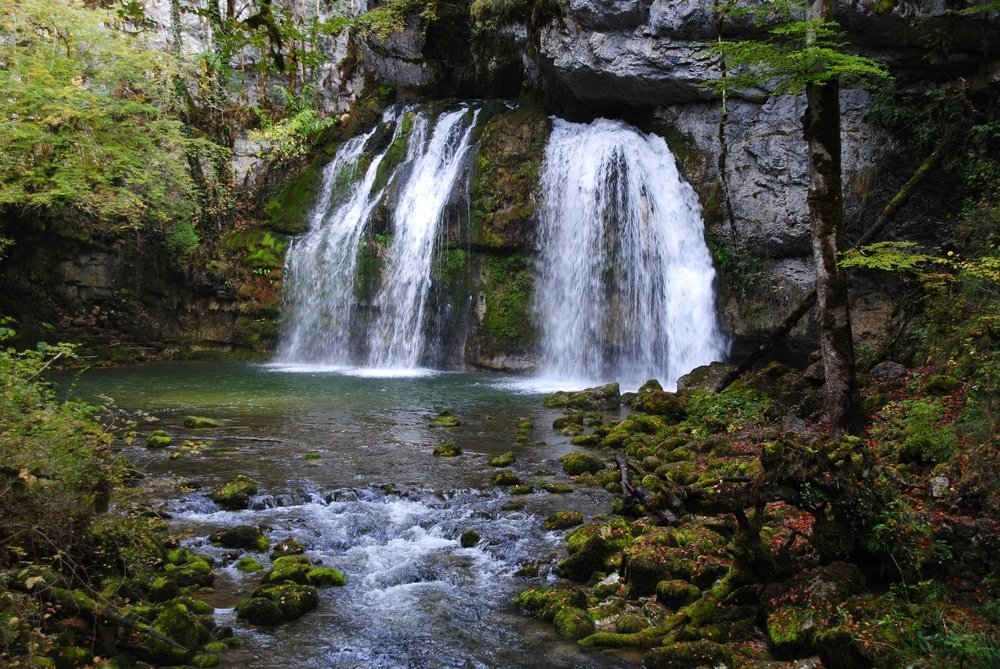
821, 125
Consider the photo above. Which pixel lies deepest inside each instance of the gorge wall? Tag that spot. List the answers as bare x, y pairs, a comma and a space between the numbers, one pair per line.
638, 60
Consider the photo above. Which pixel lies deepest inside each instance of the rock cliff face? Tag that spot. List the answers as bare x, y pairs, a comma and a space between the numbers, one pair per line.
641, 60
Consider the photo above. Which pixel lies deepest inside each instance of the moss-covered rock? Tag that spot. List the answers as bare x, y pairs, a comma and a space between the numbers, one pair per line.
287, 547
505, 459
447, 449
158, 439
249, 564
573, 623
505, 478
607, 396
235, 494
325, 577
688, 655
577, 463
445, 419
561, 520
521, 489
675, 593
241, 536
505, 178
557, 488
275, 604
661, 403
200, 422
546, 602
176, 622
505, 326
595, 547
469, 539
194, 570
572, 418
289, 568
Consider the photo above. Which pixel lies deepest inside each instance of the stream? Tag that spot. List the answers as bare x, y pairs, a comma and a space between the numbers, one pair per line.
370, 499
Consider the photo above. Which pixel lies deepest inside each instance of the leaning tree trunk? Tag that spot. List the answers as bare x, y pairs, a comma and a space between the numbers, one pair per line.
821, 124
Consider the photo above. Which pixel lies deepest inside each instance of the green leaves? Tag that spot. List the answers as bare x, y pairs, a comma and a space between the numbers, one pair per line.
796, 53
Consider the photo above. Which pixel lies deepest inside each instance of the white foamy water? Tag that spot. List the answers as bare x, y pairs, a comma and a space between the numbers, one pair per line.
624, 288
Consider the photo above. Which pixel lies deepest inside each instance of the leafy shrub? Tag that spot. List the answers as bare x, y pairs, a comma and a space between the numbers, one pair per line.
917, 430
182, 241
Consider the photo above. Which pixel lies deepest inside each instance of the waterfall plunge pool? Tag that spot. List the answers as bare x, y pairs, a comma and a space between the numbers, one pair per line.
372, 500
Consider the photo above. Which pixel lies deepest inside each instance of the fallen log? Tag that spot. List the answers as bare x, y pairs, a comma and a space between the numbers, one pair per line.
640, 495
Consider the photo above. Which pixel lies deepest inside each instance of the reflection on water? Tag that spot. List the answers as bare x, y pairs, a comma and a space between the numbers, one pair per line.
370, 499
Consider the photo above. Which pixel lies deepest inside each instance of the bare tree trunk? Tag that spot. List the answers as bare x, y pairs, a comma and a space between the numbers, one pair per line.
821, 125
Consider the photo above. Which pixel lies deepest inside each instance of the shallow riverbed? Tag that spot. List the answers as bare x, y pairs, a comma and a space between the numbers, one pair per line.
345, 463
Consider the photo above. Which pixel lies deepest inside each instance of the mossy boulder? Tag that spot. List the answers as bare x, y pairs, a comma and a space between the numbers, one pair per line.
940, 384
249, 564
692, 553
573, 623
469, 539
688, 655
241, 536
325, 577
276, 604
505, 478
158, 439
287, 547
607, 396
574, 418
675, 593
191, 570
445, 419
671, 406
447, 449
235, 495
595, 547
577, 463
505, 459
289, 569
561, 520
176, 622
557, 488
547, 602
521, 489
200, 422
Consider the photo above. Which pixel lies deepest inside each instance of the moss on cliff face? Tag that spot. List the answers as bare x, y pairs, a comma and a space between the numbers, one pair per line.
507, 290
505, 181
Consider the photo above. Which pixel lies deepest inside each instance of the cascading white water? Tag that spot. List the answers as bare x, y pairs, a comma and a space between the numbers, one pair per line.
624, 287
396, 337
321, 268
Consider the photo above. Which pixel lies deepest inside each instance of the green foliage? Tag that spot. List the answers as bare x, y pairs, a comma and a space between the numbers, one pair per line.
500, 10
390, 17
293, 134
727, 411
916, 430
508, 288
797, 53
182, 241
87, 123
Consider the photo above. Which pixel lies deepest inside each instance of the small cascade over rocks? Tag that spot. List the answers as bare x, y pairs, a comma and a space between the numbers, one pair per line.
332, 322
624, 287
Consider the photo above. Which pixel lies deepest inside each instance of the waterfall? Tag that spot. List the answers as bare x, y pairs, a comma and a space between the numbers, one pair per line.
624, 286
330, 321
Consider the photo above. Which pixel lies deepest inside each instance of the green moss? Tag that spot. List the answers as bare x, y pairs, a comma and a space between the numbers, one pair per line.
505, 478
325, 577
448, 449
573, 623
200, 422
288, 212
469, 539
557, 488
522, 489
581, 463
236, 494
505, 179
561, 520
249, 564
505, 459
507, 289
158, 439
289, 569
445, 419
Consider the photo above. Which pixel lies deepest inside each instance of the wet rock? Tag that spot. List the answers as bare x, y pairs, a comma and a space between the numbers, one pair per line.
235, 495
521, 489
557, 488
630, 623
325, 577
448, 449
249, 564
469, 539
188, 569
561, 520
505, 459
607, 396
505, 478
158, 439
547, 602
241, 536
200, 422
445, 419
277, 604
595, 547
660, 403
577, 463
573, 418
287, 547
573, 623
289, 568
706, 377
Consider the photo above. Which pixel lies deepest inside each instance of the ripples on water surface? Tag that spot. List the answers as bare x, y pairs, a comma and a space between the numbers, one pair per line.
376, 504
